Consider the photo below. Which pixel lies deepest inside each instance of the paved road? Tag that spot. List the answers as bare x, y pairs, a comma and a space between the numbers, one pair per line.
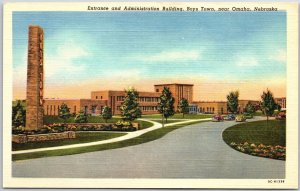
194, 151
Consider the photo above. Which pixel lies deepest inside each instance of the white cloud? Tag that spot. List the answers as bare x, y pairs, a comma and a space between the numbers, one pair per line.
63, 59
170, 56
279, 56
247, 61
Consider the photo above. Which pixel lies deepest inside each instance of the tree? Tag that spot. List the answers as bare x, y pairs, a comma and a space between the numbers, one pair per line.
106, 113
18, 115
64, 112
81, 117
183, 106
250, 108
166, 104
268, 104
130, 108
233, 101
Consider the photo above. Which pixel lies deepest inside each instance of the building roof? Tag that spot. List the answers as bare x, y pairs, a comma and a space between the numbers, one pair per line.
173, 84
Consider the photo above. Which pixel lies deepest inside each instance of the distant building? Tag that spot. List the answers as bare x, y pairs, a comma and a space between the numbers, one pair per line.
220, 107
148, 101
281, 101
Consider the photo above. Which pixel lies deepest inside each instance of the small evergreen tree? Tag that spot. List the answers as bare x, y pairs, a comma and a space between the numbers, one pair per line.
166, 104
81, 117
233, 101
183, 106
64, 112
250, 108
18, 115
130, 108
268, 104
106, 113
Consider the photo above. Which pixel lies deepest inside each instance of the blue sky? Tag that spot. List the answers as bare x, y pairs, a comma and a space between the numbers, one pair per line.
111, 50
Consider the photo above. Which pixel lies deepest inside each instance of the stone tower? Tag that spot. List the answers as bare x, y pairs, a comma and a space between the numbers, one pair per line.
35, 79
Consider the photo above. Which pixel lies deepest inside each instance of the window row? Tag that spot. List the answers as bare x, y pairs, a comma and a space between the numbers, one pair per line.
140, 99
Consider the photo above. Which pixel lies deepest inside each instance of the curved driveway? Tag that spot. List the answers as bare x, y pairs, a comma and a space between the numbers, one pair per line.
194, 151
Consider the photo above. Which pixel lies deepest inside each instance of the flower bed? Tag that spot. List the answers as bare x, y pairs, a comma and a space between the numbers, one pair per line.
58, 128
268, 151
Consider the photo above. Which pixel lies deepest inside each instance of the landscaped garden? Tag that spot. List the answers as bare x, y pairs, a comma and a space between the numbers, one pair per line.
93, 119
147, 137
259, 138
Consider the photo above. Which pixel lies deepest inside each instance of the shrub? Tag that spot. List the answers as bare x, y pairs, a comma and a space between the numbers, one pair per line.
81, 117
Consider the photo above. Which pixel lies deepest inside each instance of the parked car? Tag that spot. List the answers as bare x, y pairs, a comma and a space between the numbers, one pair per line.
248, 115
217, 118
240, 118
280, 116
230, 117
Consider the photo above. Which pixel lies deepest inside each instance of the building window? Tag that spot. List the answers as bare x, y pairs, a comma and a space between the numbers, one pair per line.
47, 109
94, 109
74, 108
96, 97
85, 109
101, 97
50, 109
157, 90
54, 110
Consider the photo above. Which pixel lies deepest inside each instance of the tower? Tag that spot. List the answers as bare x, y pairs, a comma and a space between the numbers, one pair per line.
35, 79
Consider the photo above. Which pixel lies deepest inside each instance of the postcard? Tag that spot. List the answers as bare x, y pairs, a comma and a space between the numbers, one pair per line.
150, 95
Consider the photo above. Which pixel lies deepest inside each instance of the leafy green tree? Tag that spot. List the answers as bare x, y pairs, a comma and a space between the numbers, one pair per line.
106, 113
18, 115
166, 104
64, 112
130, 108
268, 104
81, 117
250, 108
233, 101
183, 106
278, 107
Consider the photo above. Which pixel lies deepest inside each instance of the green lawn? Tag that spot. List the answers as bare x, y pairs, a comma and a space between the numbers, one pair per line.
92, 119
150, 136
81, 137
258, 132
179, 116
169, 121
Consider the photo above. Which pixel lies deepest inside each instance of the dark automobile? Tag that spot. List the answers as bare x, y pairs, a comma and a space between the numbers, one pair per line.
230, 117
280, 116
217, 118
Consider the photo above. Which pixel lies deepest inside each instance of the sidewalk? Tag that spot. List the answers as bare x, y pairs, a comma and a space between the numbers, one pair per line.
130, 135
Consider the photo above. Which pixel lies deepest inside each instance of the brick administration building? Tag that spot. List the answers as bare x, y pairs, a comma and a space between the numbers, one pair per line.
148, 101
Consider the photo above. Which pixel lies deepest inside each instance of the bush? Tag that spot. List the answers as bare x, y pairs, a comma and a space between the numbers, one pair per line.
81, 117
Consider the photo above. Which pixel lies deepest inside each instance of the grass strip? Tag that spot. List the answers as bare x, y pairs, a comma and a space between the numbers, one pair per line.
81, 137
272, 132
167, 122
179, 116
147, 137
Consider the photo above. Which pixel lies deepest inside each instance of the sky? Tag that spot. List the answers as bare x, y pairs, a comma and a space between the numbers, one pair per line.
217, 52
